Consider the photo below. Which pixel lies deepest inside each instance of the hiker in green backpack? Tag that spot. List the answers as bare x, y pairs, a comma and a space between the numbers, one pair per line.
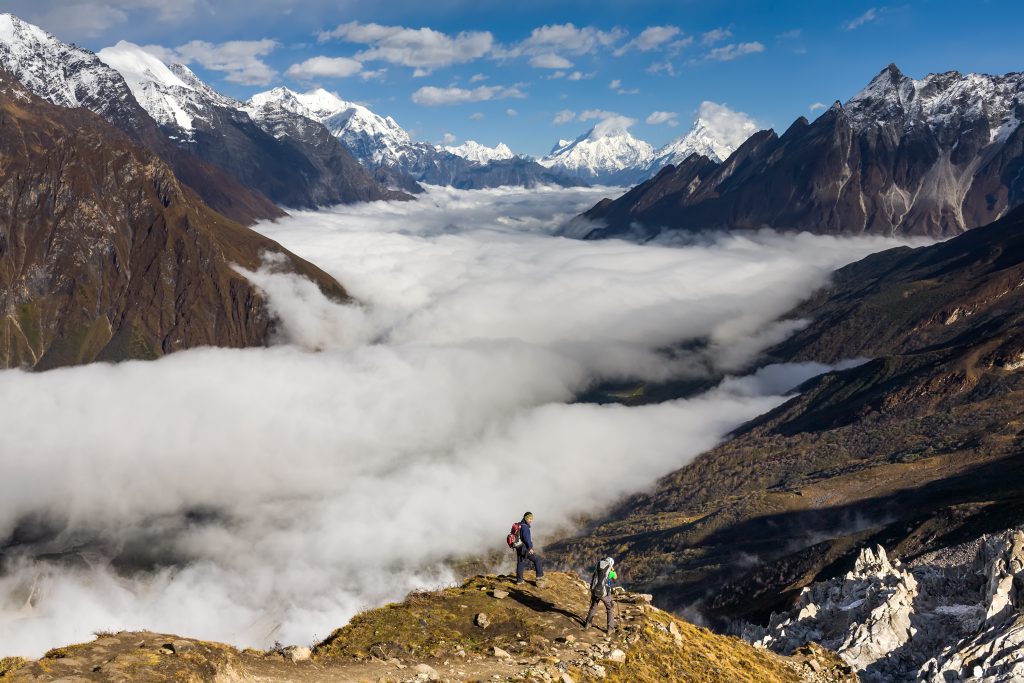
601, 591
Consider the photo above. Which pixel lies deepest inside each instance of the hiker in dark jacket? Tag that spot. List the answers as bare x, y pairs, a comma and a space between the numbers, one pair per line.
525, 554
601, 591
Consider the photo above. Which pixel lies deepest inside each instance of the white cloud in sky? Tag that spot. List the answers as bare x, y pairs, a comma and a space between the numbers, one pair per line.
511, 113
249, 476
422, 48
817, 105
727, 53
651, 38
476, 116
477, 78
615, 84
564, 116
550, 61
325, 67
728, 125
448, 139
561, 38
240, 60
715, 35
662, 67
432, 96
657, 118
870, 15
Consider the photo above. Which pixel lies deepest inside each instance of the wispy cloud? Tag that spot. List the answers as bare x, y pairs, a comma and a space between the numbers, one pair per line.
651, 38
732, 51
420, 48
550, 61
324, 67
868, 16
658, 118
564, 116
715, 35
240, 60
662, 67
431, 96
511, 113
561, 39
817, 105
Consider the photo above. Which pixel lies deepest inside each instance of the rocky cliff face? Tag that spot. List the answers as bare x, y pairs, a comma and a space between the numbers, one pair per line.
916, 449
68, 76
953, 615
105, 255
935, 156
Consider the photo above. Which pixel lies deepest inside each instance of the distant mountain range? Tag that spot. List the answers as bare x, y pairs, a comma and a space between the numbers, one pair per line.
609, 154
394, 157
934, 156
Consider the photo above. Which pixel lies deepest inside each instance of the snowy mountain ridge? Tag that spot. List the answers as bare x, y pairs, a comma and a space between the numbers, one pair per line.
481, 154
373, 139
62, 74
942, 101
609, 153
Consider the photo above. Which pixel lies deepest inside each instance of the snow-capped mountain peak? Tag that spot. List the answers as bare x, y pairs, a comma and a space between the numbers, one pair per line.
377, 140
60, 73
945, 102
155, 86
606, 153
482, 154
715, 134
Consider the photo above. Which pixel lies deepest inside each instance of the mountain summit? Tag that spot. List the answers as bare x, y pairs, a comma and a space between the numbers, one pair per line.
608, 153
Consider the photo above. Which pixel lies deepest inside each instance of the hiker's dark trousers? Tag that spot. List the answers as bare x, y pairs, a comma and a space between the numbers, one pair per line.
523, 560
594, 602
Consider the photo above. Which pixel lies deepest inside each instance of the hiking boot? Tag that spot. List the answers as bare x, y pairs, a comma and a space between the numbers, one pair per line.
541, 582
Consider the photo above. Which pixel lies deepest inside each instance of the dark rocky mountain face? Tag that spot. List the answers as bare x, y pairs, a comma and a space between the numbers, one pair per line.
293, 160
934, 157
919, 448
69, 76
106, 255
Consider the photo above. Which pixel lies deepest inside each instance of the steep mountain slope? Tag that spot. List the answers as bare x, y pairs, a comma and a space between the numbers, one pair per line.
105, 255
388, 151
918, 448
69, 76
486, 629
935, 156
290, 158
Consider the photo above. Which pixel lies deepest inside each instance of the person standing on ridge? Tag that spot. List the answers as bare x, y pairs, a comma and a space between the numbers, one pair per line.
601, 591
525, 553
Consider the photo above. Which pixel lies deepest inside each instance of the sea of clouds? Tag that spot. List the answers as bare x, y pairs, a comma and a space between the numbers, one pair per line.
262, 495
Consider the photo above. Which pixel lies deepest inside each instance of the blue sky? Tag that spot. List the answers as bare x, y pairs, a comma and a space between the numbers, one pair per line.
499, 71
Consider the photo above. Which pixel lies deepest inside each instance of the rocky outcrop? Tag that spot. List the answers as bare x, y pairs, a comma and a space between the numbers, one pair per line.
943, 618
934, 156
105, 255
